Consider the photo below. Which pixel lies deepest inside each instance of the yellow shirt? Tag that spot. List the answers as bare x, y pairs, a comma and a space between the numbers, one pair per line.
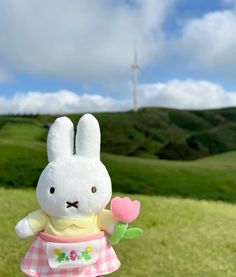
70, 226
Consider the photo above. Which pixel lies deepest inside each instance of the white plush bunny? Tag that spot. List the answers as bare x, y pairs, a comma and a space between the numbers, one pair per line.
72, 192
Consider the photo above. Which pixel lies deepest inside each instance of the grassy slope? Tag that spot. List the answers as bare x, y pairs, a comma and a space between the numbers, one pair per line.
21, 163
150, 133
209, 178
167, 133
182, 237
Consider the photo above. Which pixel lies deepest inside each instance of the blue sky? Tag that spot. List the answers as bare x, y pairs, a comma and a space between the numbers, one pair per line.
87, 49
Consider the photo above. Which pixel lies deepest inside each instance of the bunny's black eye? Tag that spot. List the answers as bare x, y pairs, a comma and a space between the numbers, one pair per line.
52, 190
93, 189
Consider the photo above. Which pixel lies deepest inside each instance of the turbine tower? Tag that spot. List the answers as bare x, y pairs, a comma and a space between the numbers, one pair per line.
135, 68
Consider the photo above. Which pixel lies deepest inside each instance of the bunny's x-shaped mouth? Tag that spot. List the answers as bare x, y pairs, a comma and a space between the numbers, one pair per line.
74, 204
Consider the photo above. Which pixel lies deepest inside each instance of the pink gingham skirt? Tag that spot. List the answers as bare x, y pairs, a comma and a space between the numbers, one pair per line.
36, 263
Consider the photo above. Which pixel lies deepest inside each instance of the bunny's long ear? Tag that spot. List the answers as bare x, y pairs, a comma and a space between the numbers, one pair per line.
88, 137
60, 141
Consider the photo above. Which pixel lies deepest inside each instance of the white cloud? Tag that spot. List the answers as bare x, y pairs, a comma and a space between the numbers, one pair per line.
93, 40
61, 102
209, 42
80, 39
187, 94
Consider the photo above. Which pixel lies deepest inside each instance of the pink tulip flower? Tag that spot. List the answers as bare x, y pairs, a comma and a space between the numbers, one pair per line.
124, 209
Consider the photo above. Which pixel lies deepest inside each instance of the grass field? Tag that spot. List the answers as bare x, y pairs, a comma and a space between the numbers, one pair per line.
181, 237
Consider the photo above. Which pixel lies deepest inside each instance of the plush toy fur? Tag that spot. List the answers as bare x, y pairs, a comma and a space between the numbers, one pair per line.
73, 176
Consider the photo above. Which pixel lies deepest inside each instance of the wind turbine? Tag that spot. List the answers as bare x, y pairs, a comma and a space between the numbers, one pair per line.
135, 68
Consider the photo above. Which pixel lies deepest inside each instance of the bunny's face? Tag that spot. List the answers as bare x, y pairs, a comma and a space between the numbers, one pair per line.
74, 185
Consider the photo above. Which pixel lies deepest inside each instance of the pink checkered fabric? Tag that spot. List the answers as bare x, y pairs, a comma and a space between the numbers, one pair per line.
35, 262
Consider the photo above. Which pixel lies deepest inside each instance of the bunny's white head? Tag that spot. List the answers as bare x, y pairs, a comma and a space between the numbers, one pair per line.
74, 185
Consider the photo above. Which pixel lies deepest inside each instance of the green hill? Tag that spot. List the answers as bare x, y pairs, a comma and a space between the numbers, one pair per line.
181, 237
151, 132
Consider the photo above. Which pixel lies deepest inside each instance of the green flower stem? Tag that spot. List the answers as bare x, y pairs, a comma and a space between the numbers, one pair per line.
122, 231
118, 233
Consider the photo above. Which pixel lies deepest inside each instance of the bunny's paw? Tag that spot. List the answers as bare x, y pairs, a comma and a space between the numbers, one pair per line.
23, 229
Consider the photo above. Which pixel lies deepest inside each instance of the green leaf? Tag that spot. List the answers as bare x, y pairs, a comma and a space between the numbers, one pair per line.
132, 233
61, 257
87, 257
83, 253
